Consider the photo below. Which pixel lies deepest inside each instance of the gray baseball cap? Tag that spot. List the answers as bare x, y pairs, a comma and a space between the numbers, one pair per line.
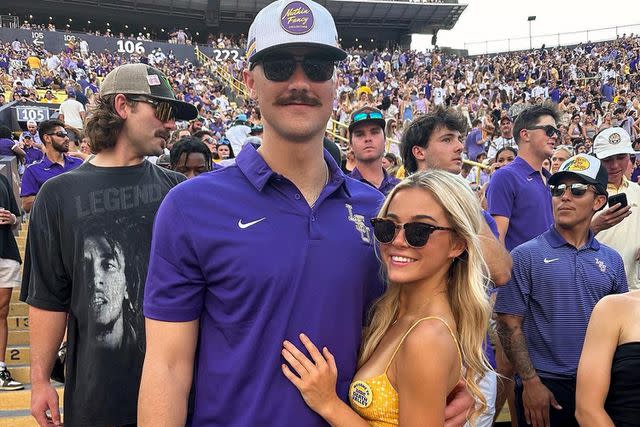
141, 79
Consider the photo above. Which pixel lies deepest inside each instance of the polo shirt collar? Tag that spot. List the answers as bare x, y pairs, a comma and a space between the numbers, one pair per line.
47, 163
258, 172
556, 240
624, 184
522, 164
355, 174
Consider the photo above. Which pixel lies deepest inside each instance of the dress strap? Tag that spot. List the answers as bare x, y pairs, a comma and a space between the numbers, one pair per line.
416, 324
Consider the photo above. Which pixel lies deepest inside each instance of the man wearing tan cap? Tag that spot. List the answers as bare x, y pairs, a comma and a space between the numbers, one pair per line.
89, 238
617, 226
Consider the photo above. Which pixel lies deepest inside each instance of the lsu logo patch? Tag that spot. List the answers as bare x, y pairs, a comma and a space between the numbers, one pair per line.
361, 394
153, 80
615, 138
579, 164
361, 227
297, 18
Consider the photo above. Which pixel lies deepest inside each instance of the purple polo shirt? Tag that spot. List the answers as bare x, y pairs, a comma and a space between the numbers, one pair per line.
554, 287
37, 174
518, 192
471, 143
387, 184
240, 250
32, 155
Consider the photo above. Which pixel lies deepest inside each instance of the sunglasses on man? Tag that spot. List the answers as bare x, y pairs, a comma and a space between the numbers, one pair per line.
367, 116
549, 130
281, 69
416, 234
577, 189
163, 110
59, 134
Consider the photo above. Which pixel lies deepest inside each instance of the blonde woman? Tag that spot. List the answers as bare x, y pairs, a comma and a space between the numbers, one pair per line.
426, 331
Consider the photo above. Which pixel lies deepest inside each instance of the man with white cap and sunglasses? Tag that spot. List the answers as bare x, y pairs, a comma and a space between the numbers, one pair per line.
298, 219
558, 277
619, 226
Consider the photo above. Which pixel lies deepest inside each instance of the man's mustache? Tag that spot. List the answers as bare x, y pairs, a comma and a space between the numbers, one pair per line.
298, 98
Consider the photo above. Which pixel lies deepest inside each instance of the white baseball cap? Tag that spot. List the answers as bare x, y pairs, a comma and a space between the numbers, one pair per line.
286, 23
612, 141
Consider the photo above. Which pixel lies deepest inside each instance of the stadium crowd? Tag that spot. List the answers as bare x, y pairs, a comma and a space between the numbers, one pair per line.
544, 138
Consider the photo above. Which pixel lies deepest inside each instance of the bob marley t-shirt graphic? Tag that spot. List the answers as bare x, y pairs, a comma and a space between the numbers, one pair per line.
92, 227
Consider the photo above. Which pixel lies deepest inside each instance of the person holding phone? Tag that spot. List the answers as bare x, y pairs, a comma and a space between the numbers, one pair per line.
558, 277
619, 224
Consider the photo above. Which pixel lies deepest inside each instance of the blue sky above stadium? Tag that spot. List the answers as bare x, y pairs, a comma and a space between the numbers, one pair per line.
503, 19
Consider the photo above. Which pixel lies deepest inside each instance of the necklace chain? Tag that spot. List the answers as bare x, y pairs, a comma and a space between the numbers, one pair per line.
422, 306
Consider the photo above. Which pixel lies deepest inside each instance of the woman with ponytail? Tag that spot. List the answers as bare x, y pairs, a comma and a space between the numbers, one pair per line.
426, 332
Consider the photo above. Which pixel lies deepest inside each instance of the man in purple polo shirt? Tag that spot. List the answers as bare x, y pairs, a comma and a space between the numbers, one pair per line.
288, 250
558, 277
518, 197
55, 161
474, 143
32, 150
366, 138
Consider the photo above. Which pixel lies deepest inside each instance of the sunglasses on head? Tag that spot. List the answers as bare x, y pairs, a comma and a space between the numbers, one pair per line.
59, 134
163, 110
416, 234
577, 189
366, 116
281, 69
549, 130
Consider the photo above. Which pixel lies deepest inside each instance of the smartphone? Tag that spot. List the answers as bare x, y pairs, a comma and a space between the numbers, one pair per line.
618, 198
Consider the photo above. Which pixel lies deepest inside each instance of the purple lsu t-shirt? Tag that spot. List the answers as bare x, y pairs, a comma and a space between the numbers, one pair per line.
518, 192
36, 174
240, 250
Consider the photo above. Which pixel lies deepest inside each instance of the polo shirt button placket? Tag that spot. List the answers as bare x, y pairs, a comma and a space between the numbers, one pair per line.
297, 196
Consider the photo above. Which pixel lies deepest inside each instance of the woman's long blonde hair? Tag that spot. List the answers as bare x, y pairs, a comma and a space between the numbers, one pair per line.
468, 278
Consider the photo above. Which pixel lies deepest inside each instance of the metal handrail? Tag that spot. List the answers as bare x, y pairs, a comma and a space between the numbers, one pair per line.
238, 86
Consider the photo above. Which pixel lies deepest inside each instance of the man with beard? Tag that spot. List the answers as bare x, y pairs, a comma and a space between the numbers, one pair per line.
75, 256
55, 161
366, 138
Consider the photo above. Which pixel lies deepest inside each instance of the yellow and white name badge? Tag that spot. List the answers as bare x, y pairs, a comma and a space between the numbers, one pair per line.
361, 394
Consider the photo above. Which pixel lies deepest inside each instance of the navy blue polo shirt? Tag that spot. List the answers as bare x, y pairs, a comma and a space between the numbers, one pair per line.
36, 174
518, 192
241, 250
387, 184
554, 287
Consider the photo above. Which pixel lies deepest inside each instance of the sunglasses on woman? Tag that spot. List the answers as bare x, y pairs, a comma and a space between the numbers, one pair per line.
549, 130
163, 110
577, 189
416, 234
281, 69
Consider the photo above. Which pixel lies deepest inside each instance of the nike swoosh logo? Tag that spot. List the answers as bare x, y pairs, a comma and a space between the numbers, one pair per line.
243, 225
529, 179
547, 261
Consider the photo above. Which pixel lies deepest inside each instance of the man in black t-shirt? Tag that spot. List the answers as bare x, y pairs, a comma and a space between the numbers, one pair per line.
89, 239
9, 273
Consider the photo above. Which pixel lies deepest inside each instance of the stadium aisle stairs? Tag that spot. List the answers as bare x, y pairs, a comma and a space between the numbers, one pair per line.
15, 405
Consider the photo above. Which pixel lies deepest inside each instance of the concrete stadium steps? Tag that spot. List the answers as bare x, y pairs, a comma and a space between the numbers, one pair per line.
15, 407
